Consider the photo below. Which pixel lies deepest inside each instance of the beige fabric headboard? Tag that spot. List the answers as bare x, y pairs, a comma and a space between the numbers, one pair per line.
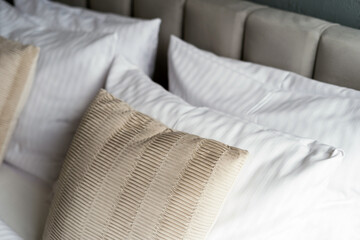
238, 29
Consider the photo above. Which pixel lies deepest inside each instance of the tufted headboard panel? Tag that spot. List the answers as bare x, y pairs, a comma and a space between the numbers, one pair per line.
243, 30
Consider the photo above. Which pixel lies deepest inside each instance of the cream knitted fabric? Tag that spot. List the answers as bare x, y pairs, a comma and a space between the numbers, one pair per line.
127, 176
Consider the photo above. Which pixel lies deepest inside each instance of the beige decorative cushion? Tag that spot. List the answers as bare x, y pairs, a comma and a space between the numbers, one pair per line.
127, 176
17, 67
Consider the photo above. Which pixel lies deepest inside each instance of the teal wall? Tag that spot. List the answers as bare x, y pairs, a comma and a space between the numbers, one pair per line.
345, 12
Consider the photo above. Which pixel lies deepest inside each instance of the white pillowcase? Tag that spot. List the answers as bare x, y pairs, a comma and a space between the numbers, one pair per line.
288, 102
283, 179
137, 39
202, 76
71, 69
274, 98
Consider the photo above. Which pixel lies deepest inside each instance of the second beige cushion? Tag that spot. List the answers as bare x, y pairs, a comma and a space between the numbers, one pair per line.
127, 176
17, 67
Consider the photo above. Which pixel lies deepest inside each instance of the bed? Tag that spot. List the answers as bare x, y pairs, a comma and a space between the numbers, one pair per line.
233, 30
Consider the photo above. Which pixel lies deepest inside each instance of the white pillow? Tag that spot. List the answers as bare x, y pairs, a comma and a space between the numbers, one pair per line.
284, 177
287, 102
137, 39
202, 76
71, 69
274, 98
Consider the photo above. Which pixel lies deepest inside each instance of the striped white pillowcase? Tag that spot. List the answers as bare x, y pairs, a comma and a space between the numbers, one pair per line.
191, 68
274, 98
137, 38
72, 67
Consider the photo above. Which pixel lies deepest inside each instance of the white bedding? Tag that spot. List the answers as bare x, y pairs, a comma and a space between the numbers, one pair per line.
6, 233
24, 203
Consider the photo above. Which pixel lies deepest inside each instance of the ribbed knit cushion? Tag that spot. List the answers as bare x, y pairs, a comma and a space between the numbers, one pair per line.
17, 65
127, 176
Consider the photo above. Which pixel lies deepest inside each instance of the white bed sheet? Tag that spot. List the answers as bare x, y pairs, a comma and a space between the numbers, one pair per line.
24, 204
6, 233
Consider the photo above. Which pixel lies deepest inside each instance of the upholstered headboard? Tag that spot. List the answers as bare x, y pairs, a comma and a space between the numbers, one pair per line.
243, 30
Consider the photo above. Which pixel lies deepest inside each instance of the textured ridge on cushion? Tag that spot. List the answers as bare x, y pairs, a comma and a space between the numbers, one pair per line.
17, 65
128, 176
